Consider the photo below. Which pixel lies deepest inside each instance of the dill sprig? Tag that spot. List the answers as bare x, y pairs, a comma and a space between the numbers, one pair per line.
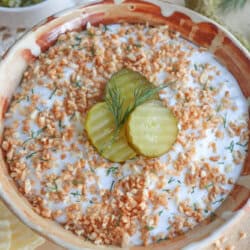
115, 101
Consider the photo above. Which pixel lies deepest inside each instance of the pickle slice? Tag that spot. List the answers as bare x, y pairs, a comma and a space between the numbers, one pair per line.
127, 82
100, 127
152, 129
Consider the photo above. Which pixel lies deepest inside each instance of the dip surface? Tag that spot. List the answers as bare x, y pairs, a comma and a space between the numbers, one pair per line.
142, 200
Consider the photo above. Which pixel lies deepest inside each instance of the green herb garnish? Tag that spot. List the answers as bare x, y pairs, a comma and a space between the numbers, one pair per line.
242, 145
60, 125
105, 28
72, 116
171, 180
111, 170
32, 154
224, 120
92, 170
112, 185
34, 135
160, 212
195, 207
209, 185
115, 102
77, 193
218, 201
53, 93
54, 188
149, 228
166, 190
230, 147
78, 84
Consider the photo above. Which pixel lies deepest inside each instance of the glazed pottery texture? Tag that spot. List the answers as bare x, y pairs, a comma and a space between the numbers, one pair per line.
192, 27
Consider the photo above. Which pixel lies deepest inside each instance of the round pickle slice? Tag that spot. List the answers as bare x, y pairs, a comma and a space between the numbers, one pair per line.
127, 82
100, 128
152, 129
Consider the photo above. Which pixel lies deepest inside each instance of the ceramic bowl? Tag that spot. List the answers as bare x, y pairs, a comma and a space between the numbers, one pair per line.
191, 26
25, 17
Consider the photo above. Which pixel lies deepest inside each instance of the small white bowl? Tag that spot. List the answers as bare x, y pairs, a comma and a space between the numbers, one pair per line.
26, 17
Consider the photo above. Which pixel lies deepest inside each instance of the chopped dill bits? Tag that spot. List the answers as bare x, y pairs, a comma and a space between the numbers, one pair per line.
53, 187
149, 228
195, 207
53, 93
218, 109
160, 212
112, 185
218, 201
72, 116
77, 193
171, 180
224, 119
60, 125
166, 190
105, 28
35, 134
230, 147
242, 145
209, 186
112, 170
32, 154
92, 170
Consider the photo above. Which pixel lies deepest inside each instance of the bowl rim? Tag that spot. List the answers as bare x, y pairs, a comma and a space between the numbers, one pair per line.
161, 3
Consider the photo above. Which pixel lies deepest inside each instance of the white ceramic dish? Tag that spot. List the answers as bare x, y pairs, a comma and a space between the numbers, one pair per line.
25, 17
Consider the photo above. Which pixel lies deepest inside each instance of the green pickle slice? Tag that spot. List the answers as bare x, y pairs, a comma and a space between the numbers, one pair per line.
100, 128
152, 129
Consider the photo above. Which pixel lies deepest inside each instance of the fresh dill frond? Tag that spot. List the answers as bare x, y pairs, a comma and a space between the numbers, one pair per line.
115, 101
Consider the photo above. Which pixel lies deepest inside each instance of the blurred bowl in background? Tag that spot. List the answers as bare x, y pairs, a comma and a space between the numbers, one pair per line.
26, 17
